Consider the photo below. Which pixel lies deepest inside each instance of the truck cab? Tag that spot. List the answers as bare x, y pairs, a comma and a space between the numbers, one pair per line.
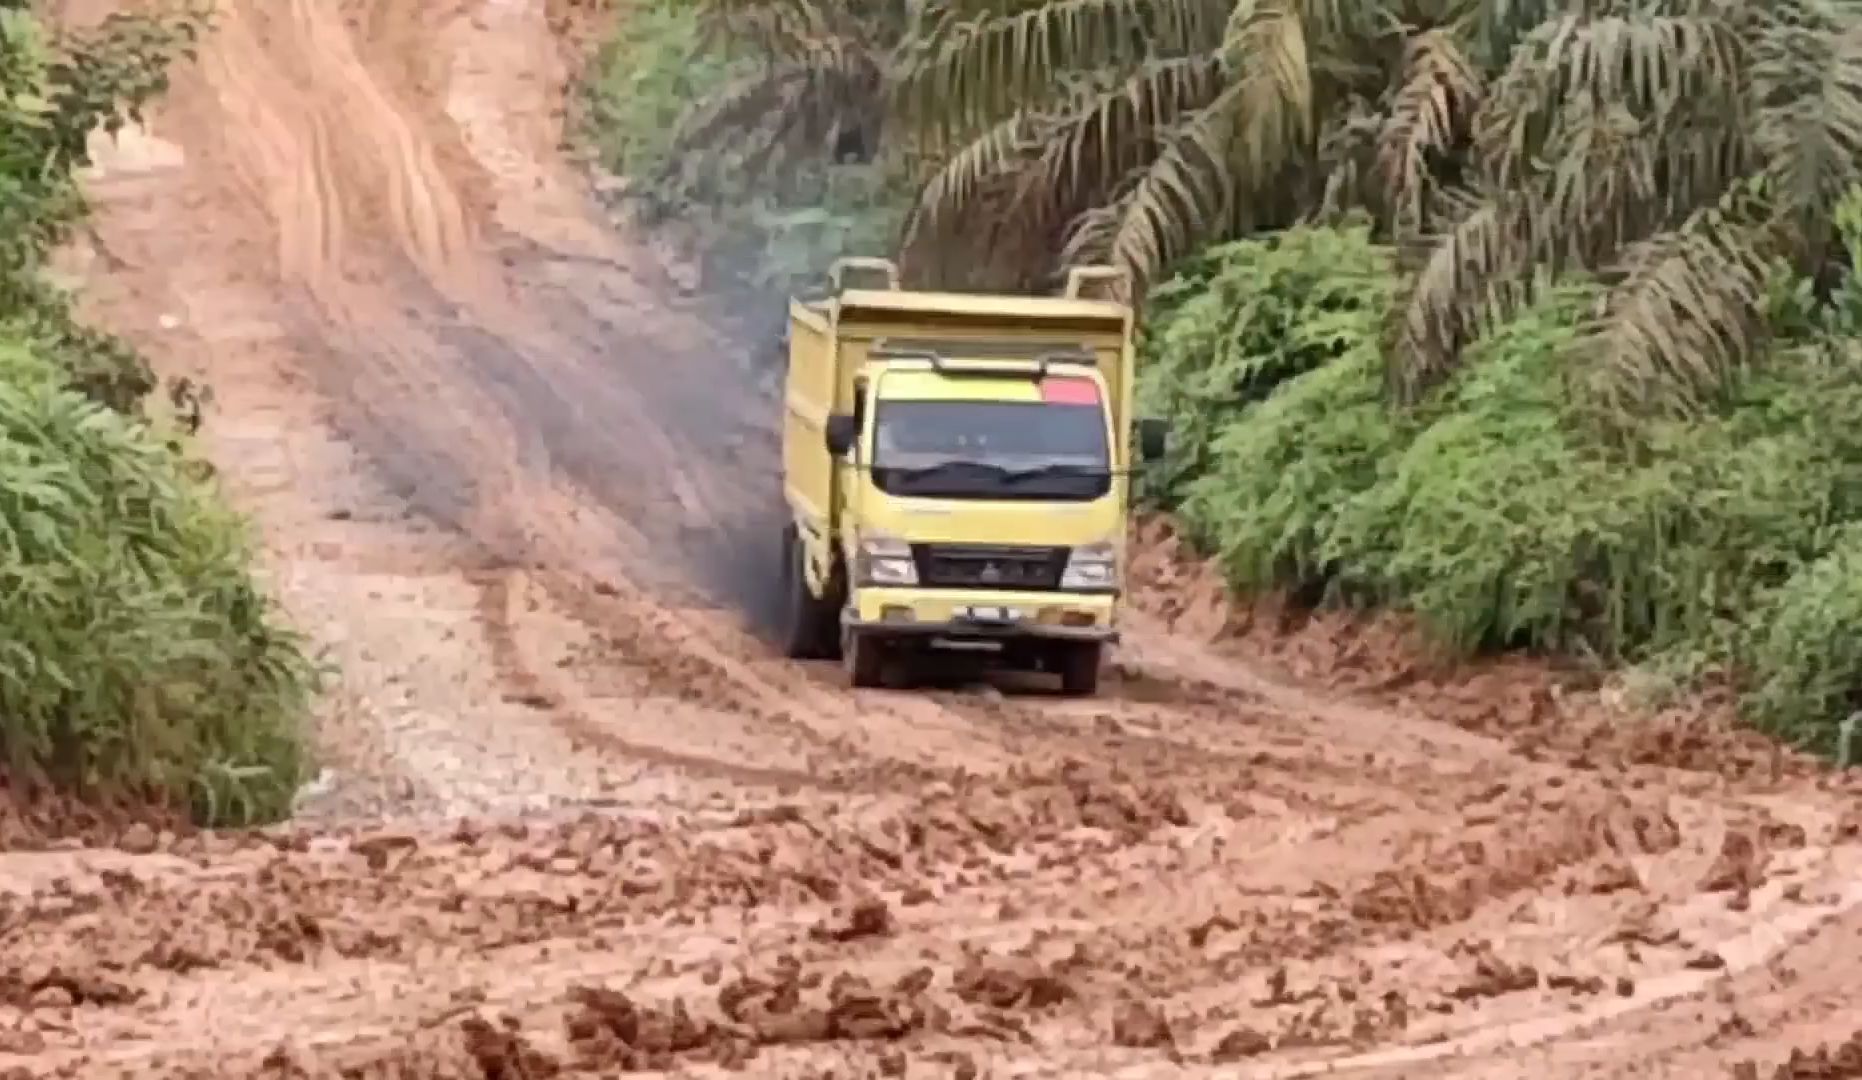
978, 481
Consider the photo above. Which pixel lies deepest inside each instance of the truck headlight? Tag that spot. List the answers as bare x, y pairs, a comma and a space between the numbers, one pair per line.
1091, 568
884, 560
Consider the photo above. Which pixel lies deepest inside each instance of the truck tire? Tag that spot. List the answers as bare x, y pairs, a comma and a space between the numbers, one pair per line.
861, 655
802, 619
1079, 668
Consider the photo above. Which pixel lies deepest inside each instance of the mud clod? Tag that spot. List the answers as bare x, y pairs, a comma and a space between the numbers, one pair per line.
1494, 977
1832, 1061
1011, 982
1139, 1025
608, 1028
139, 839
1740, 866
63, 989
868, 918
1243, 1042
504, 1054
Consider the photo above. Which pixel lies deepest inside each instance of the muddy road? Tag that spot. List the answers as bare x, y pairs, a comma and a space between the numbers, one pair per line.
579, 819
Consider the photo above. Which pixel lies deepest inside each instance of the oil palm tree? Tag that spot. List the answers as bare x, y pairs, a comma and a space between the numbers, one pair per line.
1142, 128
1675, 148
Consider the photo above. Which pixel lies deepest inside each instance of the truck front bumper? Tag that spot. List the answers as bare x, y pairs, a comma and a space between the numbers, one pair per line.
974, 615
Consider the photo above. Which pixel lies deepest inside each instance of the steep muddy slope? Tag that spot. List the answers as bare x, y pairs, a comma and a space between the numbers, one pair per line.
502, 480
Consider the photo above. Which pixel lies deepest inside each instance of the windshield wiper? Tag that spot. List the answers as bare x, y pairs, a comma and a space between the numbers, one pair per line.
918, 472
1057, 468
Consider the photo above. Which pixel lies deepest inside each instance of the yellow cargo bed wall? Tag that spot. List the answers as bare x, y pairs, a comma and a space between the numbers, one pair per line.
809, 398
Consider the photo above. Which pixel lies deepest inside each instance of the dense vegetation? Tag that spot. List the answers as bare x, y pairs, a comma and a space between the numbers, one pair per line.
1496, 510
137, 658
1532, 317
683, 103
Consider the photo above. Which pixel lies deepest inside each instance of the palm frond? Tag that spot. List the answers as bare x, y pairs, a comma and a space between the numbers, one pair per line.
1477, 272
1182, 197
1654, 66
1602, 190
1265, 49
795, 103
1107, 135
1348, 161
1684, 319
1071, 160
1429, 113
1091, 235
1008, 237
1807, 81
968, 74
1494, 28
955, 186
769, 26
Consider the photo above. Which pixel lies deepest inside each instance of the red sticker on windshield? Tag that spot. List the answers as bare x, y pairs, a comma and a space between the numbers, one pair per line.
1068, 390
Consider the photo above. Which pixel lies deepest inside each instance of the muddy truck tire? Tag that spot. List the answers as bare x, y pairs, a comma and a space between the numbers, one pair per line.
1079, 664
807, 628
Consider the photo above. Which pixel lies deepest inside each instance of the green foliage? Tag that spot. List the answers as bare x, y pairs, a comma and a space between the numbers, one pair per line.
757, 132
137, 657
1807, 653
53, 94
1671, 151
1484, 522
1243, 318
135, 652
1495, 510
642, 81
857, 213
1281, 473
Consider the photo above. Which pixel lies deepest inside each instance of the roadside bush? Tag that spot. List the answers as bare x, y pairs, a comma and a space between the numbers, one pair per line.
138, 659
1494, 510
1243, 318
136, 655
1806, 654
1281, 474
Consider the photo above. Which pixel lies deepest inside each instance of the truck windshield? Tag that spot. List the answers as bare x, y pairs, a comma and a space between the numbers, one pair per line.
991, 449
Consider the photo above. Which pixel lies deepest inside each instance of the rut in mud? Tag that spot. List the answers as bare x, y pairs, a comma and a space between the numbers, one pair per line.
579, 819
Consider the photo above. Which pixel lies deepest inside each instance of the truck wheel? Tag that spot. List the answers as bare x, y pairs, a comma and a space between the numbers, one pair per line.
801, 611
1079, 668
860, 654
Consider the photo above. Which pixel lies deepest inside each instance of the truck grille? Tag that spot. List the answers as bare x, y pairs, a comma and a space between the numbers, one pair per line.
989, 566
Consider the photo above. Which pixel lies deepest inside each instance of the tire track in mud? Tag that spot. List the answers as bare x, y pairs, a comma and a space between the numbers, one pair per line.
1205, 873
523, 382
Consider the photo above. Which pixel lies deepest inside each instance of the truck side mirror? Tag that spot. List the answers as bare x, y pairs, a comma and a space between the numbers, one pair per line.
840, 433
1153, 436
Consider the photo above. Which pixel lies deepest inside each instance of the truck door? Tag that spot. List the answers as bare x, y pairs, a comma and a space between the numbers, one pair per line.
847, 489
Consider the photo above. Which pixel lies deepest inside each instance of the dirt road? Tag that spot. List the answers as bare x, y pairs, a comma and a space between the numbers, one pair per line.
579, 819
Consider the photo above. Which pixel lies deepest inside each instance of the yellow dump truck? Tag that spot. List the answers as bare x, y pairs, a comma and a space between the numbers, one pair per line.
957, 469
